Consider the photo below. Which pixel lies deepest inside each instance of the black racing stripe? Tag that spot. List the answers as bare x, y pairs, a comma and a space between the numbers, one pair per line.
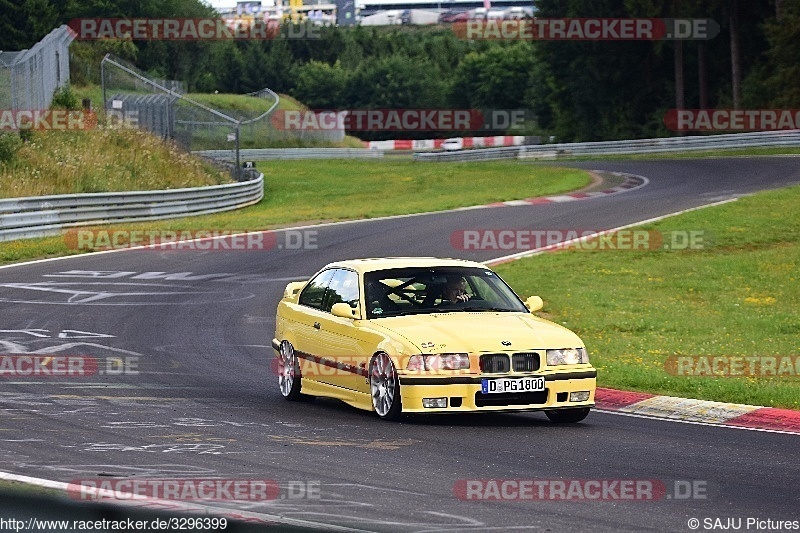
462, 380
333, 364
572, 375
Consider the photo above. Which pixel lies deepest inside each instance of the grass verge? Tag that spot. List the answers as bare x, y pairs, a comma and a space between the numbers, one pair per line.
313, 191
260, 134
70, 162
635, 309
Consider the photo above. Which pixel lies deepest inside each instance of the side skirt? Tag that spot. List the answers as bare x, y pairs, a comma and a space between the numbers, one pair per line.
357, 399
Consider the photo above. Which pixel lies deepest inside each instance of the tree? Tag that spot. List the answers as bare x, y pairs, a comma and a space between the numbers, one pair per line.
601, 90
12, 26
776, 81
394, 82
319, 85
495, 79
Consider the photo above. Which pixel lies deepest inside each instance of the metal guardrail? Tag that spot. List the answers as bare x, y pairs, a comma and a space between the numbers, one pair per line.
41, 216
639, 146
267, 154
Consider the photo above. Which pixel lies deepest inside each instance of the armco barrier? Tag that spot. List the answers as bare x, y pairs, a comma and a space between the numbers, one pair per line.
640, 146
40, 216
267, 154
435, 144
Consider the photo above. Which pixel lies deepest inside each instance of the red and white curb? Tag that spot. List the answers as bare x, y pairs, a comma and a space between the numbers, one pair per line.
698, 411
630, 183
433, 144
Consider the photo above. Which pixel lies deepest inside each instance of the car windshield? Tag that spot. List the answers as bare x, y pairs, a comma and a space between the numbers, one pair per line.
408, 291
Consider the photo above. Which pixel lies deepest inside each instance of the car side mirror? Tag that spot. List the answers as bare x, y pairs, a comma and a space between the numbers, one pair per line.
534, 303
344, 310
293, 289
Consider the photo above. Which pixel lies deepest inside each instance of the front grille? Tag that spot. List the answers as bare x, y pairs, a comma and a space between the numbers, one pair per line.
525, 362
510, 398
500, 363
494, 363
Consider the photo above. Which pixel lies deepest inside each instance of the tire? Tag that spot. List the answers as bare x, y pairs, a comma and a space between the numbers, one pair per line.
384, 387
289, 380
568, 416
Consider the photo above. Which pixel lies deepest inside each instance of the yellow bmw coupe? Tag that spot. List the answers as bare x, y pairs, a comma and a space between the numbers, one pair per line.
426, 335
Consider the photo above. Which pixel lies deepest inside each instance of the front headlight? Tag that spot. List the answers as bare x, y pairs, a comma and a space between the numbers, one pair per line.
445, 361
567, 356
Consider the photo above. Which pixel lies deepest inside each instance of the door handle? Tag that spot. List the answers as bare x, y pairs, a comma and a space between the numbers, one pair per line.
317, 325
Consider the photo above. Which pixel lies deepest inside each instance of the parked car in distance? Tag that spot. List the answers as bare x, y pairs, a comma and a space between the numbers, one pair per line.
456, 143
496, 13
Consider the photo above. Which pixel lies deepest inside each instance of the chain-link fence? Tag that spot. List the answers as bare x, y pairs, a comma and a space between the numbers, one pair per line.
29, 78
199, 122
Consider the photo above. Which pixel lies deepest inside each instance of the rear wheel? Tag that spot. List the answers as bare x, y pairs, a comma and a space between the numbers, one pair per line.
289, 373
385, 387
568, 416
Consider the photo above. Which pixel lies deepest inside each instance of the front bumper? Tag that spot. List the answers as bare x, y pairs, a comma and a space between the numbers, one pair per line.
464, 393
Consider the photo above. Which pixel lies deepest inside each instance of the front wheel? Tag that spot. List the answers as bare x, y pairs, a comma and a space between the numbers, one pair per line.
384, 386
289, 373
568, 416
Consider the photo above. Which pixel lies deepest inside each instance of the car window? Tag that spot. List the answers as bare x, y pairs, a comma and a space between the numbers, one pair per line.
343, 288
314, 293
422, 290
485, 292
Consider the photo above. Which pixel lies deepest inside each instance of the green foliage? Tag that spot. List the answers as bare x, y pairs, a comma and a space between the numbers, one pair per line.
26, 135
634, 309
12, 26
64, 98
9, 144
776, 81
320, 85
497, 78
590, 90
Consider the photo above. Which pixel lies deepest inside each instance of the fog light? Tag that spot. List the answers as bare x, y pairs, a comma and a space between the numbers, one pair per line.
581, 396
430, 403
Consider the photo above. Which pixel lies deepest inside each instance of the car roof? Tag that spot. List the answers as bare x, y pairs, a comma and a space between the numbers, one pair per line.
384, 263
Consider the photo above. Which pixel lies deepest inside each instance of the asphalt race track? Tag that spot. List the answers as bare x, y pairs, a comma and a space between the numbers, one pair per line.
205, 402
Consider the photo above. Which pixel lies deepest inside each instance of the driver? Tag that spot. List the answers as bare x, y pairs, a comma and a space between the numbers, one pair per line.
455, 291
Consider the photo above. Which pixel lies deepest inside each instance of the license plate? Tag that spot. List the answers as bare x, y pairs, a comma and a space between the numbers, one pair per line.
497, 386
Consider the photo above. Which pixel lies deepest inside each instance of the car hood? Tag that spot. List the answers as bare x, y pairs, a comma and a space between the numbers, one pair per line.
479, 332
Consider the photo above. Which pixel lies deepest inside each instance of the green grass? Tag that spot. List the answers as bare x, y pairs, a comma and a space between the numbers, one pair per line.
313, 191
634, 309
71, 162
259, 134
